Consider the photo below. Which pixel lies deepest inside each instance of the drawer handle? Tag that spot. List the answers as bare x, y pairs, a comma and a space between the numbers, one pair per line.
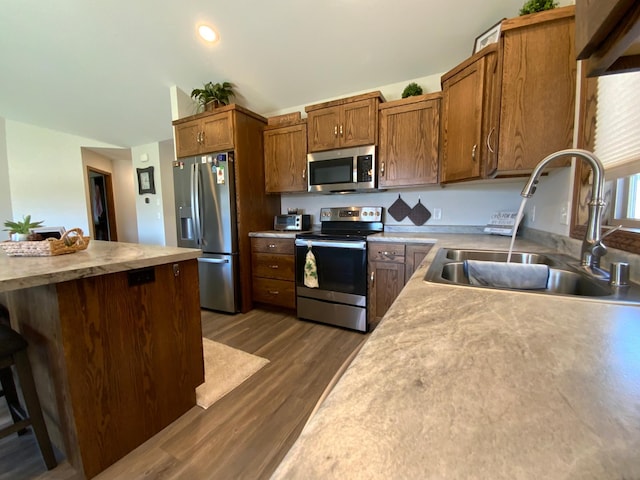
275, 267
389, 253
274, 292
372, 278
272, 245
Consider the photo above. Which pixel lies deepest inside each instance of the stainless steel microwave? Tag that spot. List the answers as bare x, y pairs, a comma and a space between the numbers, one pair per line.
345, 170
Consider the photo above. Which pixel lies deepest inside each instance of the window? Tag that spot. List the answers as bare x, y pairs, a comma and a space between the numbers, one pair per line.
617, 144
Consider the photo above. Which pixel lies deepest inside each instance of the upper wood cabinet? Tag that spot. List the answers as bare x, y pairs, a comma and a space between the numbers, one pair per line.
608, 35
285, 157
348, 122
511, 104
537, 94
468, 120
409, 141
204, 133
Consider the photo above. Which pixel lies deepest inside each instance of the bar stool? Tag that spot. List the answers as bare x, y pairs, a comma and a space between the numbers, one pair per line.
13, 351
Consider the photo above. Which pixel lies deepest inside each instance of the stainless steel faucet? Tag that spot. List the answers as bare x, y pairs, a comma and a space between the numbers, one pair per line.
592, 247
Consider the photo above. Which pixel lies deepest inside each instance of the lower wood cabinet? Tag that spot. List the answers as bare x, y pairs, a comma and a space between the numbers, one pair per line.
273, 271
391, 265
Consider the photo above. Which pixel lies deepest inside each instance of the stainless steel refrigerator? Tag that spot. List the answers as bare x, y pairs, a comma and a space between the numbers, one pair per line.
206, 219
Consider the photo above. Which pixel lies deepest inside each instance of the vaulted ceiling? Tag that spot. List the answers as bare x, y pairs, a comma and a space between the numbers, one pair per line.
103, 70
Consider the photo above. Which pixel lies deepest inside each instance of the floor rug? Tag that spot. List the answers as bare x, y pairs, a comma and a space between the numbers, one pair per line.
224, 369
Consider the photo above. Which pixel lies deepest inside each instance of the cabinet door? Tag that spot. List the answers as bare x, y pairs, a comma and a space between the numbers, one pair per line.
358, 125
409, 142
187, 139
323, 129
538, 94
285, 159
217, 132
386, 279
414, 255
462, 103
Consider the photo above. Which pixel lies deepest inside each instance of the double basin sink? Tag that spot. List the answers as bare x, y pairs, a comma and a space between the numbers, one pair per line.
565, 275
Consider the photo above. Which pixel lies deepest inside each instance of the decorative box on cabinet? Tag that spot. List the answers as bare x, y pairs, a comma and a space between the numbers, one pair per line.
409, 141
273, 263
285, 156
347, 122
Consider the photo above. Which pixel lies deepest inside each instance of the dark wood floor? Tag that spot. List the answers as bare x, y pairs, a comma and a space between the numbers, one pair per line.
244, 435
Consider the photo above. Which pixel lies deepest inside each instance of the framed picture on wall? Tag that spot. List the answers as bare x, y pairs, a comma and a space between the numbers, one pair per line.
145, 181
490, 36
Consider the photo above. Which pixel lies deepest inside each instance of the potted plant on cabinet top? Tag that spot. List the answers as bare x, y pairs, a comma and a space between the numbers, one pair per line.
413, 89
533, 6
213, 95
20, 231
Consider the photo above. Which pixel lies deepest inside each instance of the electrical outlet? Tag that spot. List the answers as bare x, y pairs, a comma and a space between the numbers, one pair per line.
437, 214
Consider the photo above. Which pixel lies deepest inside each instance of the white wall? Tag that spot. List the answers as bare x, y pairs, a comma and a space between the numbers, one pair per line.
461, 205
124, 189
167, 156
46, 174
149, 207
6, 212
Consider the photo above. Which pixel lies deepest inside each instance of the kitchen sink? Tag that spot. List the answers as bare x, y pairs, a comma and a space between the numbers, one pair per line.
565, 276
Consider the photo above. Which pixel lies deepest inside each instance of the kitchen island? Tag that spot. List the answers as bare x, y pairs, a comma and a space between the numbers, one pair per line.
115, 343
471, 383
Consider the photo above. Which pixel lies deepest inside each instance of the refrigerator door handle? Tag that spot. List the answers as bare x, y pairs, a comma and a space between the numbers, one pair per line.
213, 260
195, 202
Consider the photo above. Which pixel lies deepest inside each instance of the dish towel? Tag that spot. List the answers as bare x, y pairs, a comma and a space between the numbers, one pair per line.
310, 269
524, 276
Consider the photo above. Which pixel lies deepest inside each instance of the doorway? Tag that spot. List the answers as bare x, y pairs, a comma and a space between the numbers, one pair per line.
103, 216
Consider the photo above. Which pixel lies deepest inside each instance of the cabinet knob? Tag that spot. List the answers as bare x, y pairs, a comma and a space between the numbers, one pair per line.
304, 173
341, 132
335, 131
382, 169
275, 267
372, 278
473, 152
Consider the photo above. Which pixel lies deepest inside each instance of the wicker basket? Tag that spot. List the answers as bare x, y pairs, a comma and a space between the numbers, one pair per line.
71, 241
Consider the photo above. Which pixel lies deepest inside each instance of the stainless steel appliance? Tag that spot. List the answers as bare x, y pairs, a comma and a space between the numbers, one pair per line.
206, 219
345, 170
340, 251
292, 222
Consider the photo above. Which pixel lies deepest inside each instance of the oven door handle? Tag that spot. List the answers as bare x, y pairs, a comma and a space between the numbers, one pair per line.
358, 245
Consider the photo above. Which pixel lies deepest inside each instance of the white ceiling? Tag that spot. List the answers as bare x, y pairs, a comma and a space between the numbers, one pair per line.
103, 70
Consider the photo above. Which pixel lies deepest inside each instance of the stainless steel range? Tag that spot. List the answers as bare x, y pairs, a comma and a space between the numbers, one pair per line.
340, 253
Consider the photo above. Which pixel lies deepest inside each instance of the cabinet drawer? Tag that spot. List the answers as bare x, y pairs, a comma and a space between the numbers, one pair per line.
274, 292
386, 252
272, 245
271, 265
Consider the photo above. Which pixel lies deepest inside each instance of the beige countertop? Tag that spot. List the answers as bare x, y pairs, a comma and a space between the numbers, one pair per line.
99, 258
470, 383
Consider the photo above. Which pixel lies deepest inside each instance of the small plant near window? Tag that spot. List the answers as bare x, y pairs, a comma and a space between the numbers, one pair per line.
533, 6
213, 95
411, 90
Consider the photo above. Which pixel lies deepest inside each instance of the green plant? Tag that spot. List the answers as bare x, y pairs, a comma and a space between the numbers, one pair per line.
24, 226
533, 6
218, 92
411, 90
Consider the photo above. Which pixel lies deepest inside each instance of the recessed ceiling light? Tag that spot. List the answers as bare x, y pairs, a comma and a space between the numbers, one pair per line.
207, 33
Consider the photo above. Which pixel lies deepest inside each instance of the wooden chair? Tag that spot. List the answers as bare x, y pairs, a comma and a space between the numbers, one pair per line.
13, 351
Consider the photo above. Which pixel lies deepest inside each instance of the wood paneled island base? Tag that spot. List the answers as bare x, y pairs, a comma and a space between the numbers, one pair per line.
116, 357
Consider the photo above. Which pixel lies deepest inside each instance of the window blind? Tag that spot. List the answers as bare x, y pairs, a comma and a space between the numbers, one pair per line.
617, 135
